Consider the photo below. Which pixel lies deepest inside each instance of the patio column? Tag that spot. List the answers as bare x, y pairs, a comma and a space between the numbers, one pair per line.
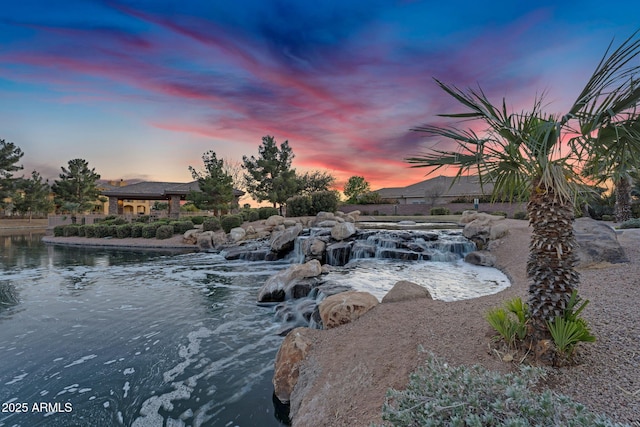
174, 207
113, 205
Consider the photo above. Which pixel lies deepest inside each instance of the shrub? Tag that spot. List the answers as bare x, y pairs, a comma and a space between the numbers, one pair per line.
90, 230
101, 230
142, 218
112, 230
299, 206
136, 229
197, 220
253, 215
324, 201
570, 329
181, 227
632, 223
439, 211
607, 217
58, 230
70, 230
520, 215
123, 231
266, 211
164, 231
442, 395
82, 231
510, 322
230, 221
211, 224
149, 230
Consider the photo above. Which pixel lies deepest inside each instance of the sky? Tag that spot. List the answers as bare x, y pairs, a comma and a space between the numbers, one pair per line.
142, 89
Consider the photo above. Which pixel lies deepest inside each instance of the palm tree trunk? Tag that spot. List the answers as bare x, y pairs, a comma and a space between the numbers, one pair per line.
551, 264
623, 200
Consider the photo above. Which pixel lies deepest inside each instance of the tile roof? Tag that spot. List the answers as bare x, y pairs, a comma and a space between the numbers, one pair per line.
464, 186
150, 189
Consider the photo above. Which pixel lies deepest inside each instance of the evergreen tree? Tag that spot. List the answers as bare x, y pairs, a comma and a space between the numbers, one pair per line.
216, 185
10, 154
355, 187
270, 177
77, 189
32, 196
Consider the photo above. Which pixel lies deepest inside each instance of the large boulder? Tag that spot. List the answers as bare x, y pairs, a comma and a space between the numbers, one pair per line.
480, 228
191, 236
313, 248
283, 240
483, 258
343, 230
237, 233
283, 284
274, 220
293, 350
345, 307
204, 240
597, 242
406, 291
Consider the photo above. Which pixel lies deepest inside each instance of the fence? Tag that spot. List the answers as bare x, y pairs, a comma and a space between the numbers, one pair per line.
424, 209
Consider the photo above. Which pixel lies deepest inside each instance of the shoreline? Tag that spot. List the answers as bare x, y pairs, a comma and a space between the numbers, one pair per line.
174, 243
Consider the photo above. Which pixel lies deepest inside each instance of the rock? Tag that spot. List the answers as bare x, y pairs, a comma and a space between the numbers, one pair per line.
282, 284
343, 230
345, 307
191, 236
480, 228
484, 258
237, 234
405, 291
274, 220
204, 241
283, 241
313, 248
338, 254
293, 350
327, 223
288, 222
218, 238
597, 242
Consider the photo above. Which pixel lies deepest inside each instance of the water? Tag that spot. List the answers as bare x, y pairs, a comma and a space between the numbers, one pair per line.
97, 337
133, 338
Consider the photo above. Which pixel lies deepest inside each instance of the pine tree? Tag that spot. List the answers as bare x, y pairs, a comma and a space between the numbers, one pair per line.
32, 196
77, 189
216, 185
10, 154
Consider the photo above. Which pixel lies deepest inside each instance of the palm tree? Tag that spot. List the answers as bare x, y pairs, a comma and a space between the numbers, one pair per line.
540, 154
616, 154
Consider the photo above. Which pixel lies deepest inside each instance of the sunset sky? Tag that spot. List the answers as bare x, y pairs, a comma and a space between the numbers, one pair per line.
141, 89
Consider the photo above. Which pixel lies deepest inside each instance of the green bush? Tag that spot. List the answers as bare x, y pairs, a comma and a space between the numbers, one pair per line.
197, 220
90, 230
149, 230
510, 322
606, 217
632, 223
82, 231
230, 221
123, 231
136, 229
58, 230
253, 215
299, 206
324, 201
520, 215
439, 394
211, 224
113, 230
101, 230
164, 231
181, 227
265, 212
70, 230
439, 211
142, 218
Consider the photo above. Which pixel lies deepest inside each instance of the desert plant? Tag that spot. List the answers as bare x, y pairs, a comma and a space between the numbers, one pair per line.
567, 333
632, 223
510, 321
442, 395
230, 221
606, 217
211, 224
439, 211
164, 232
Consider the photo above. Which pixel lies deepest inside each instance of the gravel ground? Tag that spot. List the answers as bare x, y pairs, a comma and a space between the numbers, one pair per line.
344, 379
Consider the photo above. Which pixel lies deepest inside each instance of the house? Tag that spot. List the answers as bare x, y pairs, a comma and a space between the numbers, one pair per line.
136, 198
438, 190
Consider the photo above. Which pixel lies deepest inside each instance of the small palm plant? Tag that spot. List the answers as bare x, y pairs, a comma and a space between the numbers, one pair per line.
541, 155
